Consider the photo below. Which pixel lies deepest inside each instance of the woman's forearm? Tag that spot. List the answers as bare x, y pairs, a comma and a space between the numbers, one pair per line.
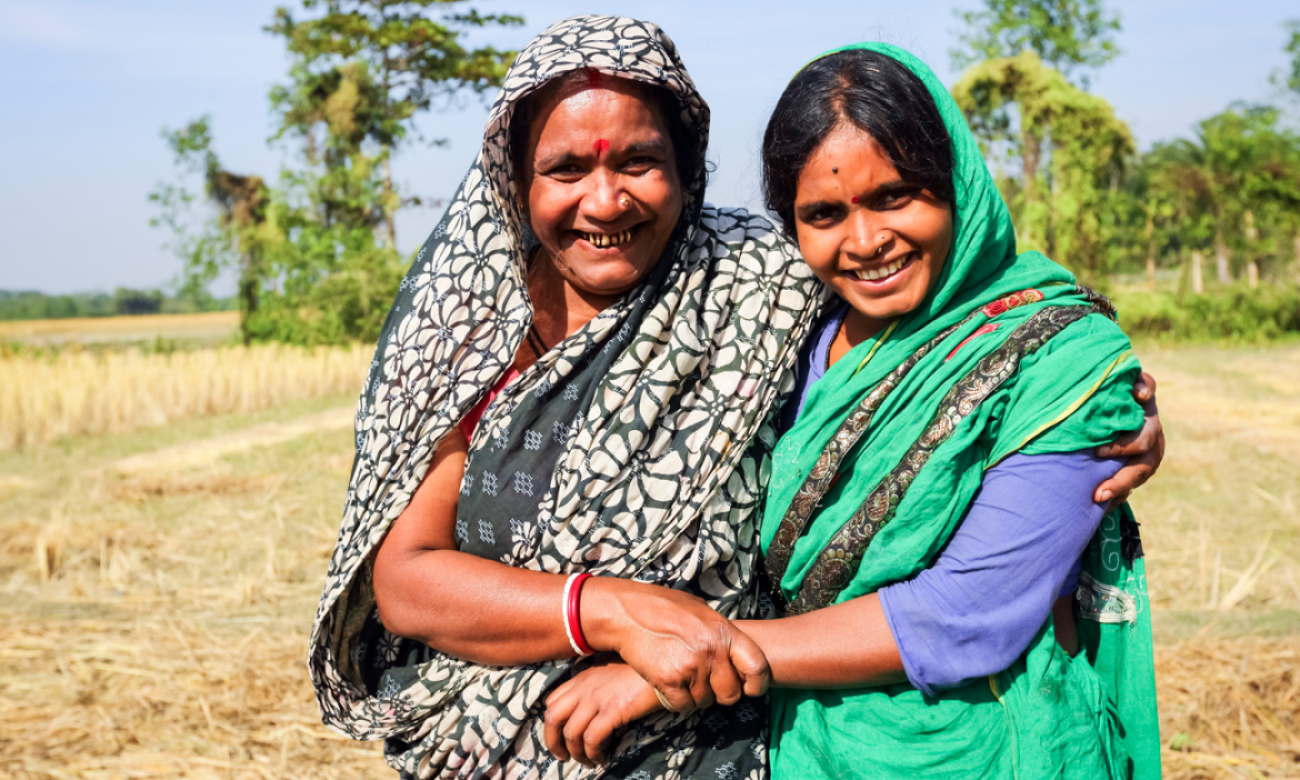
472, 608
847, 645
490, 613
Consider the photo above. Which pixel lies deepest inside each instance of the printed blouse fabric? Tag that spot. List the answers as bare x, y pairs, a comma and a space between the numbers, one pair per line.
657, 479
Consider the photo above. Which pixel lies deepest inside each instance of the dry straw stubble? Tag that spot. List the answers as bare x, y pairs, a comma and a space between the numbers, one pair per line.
46, 397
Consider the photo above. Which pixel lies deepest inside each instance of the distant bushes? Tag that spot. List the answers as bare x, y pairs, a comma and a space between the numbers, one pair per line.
32, 305
1236, 313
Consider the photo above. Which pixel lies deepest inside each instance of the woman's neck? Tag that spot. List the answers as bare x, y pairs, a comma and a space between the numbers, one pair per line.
559, 308
856, 328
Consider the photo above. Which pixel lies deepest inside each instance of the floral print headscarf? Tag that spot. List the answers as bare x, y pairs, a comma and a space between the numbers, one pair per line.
659, 478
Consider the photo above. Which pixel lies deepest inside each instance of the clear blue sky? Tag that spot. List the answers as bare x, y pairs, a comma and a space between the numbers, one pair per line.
87, 86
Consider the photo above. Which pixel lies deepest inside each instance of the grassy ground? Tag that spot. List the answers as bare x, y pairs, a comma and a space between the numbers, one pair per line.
156, 587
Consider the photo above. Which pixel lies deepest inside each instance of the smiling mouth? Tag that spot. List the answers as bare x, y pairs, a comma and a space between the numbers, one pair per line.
606, 240
886, 271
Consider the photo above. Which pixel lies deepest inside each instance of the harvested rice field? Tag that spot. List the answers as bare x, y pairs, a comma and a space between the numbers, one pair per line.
157, 585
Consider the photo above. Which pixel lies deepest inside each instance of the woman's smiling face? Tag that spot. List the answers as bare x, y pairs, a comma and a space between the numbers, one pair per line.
880, 242
602, 186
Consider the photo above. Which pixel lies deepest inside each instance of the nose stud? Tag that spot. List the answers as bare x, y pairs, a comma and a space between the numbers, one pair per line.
624, 201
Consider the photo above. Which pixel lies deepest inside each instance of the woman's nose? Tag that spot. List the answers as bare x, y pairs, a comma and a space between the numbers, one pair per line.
866, 236
601, 199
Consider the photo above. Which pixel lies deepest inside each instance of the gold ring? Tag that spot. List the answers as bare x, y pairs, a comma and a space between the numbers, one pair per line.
663, 699
624, 201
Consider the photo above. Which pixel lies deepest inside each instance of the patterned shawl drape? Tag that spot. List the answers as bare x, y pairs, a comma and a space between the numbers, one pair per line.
662, 480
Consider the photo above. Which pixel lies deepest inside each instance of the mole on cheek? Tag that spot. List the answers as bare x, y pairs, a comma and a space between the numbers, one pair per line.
601, 147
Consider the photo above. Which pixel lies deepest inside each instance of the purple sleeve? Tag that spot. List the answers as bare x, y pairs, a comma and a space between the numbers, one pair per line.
978, 607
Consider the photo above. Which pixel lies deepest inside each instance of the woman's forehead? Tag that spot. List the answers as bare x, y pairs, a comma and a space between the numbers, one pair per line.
614, 112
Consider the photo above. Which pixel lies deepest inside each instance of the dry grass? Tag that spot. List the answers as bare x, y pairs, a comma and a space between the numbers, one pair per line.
157, 587
1222, 539
153, 621
1230, 709
46, 397
209, 327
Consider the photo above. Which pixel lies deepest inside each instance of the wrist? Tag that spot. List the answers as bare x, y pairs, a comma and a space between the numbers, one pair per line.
602, 616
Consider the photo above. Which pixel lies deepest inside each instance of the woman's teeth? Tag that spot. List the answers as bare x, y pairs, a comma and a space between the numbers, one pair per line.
604, 240
872, 274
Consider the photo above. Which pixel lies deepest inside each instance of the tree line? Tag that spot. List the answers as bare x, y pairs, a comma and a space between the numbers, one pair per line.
314, 247
33, 305
1082, 192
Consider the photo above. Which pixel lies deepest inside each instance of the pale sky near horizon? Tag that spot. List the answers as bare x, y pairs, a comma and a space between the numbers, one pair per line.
86, 88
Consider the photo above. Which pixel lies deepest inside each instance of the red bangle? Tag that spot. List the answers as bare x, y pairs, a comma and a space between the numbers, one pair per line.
572, 620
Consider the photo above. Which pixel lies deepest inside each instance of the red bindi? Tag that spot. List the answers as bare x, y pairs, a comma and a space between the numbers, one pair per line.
593, 77
601, 147
855, 198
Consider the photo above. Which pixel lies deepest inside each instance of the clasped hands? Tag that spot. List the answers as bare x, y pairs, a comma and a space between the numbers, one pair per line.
648, 638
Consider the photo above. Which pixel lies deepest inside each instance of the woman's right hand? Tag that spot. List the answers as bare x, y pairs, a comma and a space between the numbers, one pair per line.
675, 641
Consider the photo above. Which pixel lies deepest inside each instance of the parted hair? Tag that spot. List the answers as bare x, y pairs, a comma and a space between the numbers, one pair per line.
873, 92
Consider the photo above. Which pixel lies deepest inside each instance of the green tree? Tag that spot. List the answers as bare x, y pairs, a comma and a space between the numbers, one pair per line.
236, 237
1290, 78
1071, 148
1241, 164
1069, 35
365, 70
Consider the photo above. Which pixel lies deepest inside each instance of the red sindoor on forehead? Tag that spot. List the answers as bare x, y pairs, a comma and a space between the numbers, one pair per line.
601, 147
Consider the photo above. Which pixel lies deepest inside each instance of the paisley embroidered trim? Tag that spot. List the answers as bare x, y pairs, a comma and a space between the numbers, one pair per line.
839, 561
823, 472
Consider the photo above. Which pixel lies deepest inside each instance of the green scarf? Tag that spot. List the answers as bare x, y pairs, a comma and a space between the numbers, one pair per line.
909, 422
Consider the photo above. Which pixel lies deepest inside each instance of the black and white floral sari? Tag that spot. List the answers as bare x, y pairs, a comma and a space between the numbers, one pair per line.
655, 423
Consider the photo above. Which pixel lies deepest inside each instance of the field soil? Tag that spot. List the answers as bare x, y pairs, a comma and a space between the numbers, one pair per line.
158, 586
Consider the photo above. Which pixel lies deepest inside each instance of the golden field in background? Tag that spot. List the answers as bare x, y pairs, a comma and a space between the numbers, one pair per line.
158, 585
50, 395
208, 327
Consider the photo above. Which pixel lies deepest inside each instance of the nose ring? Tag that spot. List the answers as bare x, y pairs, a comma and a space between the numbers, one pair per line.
624, 201
881, 248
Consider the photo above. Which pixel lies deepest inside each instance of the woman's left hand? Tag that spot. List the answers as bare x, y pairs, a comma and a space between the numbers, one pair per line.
584, 712
1144, 449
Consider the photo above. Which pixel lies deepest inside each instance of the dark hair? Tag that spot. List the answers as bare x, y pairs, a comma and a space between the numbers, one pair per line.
879, 96
686, 144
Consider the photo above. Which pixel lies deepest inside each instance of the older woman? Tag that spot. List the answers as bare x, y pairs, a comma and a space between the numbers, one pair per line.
651, 336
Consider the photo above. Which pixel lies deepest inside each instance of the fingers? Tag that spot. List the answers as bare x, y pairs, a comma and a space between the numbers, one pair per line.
1144, 389
725, 682
1117, 489
574, 731
749, 662
598, 732
560, 706
1129, 445
681, 697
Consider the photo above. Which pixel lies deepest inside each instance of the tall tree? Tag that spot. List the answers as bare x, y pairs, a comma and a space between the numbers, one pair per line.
1072, 36
1239, 161
1072, 150
412, 54
236, 238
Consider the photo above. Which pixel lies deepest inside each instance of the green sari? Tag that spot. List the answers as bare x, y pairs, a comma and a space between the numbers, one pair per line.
1006, 354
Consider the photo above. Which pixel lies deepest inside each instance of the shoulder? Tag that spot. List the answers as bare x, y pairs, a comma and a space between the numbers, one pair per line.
749, 245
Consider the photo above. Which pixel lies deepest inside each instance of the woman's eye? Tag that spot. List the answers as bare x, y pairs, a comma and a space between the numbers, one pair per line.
566, 172
640, 164
899, 197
